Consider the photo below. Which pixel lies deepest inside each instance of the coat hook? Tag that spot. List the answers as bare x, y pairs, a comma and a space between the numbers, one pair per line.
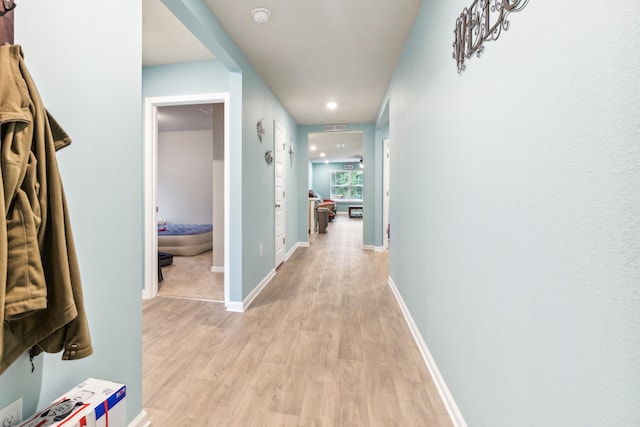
8, 6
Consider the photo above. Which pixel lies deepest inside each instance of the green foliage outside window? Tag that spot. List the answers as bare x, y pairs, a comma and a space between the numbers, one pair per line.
347, 184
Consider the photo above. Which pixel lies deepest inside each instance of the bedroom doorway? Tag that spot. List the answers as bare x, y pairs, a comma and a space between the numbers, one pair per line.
219, 103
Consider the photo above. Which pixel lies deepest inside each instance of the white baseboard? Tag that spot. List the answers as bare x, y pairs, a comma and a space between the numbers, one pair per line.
373, 248
236, 307
256, 291
142, 420
296, 246
217, 269
443, 390
241, 307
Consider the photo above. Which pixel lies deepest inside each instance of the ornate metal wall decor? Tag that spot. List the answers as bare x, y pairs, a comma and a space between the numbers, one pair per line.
291, 154
268, 157
483, 21
260, 130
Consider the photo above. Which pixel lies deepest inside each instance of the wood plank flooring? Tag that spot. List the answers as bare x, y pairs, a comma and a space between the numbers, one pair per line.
324, 344
191, 277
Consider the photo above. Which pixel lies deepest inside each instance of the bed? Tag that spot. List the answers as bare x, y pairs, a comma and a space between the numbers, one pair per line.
185, 239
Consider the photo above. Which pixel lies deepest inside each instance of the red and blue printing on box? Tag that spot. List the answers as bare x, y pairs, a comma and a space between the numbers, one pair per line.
93, 403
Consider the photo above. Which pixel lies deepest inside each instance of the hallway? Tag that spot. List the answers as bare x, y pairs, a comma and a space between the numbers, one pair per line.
325, 344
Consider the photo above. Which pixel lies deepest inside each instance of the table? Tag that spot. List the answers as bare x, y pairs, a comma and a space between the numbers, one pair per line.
357, 213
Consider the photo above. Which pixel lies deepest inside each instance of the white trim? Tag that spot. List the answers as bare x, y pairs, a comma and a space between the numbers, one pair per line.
150, 289
236, 307
217, 269
256, 291
240, 307
368, 247
280, 152
443, 390
151, 105
379, 249
142, 420
296, 246
290, 252
386, 188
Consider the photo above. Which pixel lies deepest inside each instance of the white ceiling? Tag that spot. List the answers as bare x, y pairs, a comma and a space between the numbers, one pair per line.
165, 40
308, 53
337, 146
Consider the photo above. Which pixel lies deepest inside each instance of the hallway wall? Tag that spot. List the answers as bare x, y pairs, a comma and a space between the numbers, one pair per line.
252, 221
519, 257
258, 181
89, 78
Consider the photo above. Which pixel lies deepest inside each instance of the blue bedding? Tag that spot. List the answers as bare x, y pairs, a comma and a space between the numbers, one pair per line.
183, 229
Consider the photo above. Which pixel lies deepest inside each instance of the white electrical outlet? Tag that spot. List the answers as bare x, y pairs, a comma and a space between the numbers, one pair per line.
11, 415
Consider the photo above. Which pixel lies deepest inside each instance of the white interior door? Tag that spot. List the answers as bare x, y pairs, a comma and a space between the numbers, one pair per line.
386, 223
278, 150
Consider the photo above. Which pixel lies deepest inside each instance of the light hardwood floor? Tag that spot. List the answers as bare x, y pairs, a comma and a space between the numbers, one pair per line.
191, 277
324, 344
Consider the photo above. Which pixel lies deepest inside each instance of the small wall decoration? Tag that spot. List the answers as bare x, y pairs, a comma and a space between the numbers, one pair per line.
291, 154
347, 167
334, 128
260, 129
483, 21
268, 157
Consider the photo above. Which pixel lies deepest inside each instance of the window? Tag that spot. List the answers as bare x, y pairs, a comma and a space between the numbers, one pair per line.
346, 184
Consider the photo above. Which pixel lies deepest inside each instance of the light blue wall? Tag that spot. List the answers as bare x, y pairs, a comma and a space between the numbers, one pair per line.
372, 156
185, 79
515, 212
258, 194
89, 78
252, 182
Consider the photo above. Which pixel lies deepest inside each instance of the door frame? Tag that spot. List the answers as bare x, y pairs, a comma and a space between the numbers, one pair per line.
151, 105
386, 189
280, 151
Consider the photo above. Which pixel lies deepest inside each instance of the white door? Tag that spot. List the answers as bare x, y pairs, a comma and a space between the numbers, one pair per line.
386, 223
278, 151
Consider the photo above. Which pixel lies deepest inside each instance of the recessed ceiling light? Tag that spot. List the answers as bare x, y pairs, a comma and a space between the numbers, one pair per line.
261, 14
322, 155
326, 162
332, 105
313, 148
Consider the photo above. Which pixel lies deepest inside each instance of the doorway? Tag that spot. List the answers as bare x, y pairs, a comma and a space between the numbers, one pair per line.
336, 173
152, 105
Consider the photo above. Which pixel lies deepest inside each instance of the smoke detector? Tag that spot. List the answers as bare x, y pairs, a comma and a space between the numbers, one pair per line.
261, 14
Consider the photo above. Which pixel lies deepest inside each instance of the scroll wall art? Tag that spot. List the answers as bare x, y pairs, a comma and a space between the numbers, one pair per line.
483, 21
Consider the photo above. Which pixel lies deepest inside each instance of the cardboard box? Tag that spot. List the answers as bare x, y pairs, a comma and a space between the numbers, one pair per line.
93, 403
